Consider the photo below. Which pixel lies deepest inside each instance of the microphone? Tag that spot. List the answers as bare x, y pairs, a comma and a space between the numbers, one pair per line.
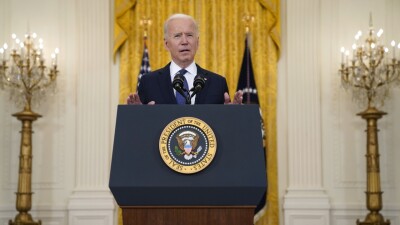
198, 85
177, 84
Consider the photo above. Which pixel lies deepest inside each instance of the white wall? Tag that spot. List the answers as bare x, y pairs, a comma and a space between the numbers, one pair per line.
321, 142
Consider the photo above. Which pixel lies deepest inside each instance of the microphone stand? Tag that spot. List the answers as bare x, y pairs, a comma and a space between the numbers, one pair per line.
196, 89
188, 97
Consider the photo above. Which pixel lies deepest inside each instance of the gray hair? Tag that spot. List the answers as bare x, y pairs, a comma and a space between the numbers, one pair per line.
180, 16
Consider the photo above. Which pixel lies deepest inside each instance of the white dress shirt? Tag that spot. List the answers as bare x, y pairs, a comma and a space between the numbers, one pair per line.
189, 76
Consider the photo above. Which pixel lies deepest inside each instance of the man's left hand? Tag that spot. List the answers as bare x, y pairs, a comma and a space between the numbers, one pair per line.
237, 99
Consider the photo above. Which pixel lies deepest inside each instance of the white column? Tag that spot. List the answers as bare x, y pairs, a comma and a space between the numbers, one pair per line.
91, 202
305, 202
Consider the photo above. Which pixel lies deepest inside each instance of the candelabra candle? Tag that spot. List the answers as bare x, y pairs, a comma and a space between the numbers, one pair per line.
2, 54
23, 71
371, 73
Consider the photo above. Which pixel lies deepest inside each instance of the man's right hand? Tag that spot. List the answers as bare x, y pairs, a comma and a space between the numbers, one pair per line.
134, 99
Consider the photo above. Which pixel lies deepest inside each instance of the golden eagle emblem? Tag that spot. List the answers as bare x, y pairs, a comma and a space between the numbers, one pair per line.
187, 142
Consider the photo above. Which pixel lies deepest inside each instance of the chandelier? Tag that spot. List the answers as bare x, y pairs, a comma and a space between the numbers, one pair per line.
371, 70
23, 71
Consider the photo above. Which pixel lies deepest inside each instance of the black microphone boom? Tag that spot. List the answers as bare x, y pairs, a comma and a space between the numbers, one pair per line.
198, 84
177, 83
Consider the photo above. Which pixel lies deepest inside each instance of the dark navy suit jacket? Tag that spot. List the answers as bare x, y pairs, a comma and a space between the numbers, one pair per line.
157, 86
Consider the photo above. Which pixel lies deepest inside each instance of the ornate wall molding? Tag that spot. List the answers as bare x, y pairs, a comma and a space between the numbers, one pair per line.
92, 202
303, 79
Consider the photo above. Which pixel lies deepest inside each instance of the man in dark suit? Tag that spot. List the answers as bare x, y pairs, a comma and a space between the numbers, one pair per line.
181, 39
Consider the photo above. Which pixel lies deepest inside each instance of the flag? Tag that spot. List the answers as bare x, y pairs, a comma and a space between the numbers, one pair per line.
145, 65
246, 79
250, 96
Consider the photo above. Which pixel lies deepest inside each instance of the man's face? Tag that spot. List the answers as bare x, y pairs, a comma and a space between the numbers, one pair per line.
182, 41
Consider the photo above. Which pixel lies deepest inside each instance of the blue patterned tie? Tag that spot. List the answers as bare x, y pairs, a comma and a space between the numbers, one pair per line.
181, 100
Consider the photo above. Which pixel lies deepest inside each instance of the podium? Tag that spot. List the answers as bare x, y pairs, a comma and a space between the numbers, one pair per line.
225, 192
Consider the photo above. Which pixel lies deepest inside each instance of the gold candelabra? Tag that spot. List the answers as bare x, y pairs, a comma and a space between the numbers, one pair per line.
24, 74
369, 75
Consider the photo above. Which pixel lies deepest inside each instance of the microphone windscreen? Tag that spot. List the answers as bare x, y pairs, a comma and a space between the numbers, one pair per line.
199, 82
178, 81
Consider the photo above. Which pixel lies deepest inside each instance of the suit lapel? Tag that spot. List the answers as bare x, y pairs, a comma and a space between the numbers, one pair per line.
165, 85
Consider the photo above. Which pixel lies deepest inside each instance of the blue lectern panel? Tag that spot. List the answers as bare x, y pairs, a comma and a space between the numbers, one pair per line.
236, 176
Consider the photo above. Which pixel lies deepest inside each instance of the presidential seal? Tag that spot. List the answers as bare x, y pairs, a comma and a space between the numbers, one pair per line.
187, 145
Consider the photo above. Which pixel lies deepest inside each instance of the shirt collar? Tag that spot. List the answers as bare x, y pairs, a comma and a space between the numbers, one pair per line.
174, 68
